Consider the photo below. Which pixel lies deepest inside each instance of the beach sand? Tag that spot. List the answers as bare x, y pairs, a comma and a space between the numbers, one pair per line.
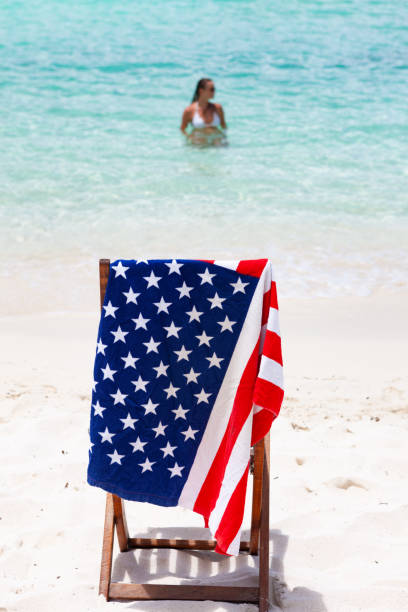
339, 503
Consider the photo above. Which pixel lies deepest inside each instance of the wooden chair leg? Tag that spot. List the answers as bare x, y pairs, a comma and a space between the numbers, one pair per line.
107, 548
115, 516
120, 523
264, 535
256, 497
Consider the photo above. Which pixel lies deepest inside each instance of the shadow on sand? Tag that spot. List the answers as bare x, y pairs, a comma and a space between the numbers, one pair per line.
206, 567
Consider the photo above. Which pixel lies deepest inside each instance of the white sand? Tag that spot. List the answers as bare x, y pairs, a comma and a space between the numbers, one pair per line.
339, 497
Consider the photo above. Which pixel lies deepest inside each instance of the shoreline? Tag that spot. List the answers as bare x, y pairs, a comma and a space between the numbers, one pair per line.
303, 270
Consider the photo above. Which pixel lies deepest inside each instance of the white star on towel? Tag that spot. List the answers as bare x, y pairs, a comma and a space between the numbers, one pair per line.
140, 322
202, 396
171, 391
180, 413
191, 376
159, 429
161, 369
182, 353
172, 330
184, 290
206, 277
215, 361
176, 470
131, 296
174, 267
147, 465
194, 314
115, 457
138, 445
151, 346
189, 433
168, 450
140, 384
239, 286
204, 339
162, 306
95, 382
118, 397
106, 436
216, 301
150, 408
226, 324
119, 335
130, 361
108, 373
120, 270
110, 310
128, 422
98, 409
100, 347
152, 280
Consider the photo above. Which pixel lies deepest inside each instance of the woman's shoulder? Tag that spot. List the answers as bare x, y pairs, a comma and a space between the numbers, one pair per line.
217, 106
190, 108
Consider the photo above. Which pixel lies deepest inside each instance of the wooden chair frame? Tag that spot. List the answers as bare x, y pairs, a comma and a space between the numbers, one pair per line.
115, 517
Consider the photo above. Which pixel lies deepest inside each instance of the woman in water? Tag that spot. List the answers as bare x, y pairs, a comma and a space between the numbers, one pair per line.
206, 118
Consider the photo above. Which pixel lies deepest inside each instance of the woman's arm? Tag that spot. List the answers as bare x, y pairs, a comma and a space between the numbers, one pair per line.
221, 116
185, 120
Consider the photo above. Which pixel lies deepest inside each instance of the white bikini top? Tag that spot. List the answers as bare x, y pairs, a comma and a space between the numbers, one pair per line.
198, 122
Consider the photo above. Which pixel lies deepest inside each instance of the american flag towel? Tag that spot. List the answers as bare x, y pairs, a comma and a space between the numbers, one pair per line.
188, 375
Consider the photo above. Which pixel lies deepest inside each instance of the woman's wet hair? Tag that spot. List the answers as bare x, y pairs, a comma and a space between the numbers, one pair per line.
200, 85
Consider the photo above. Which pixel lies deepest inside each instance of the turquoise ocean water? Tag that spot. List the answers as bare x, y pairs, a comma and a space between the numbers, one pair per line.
92, 162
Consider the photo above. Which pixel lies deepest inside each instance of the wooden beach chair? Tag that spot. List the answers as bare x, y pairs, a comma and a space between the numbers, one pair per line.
115, 517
